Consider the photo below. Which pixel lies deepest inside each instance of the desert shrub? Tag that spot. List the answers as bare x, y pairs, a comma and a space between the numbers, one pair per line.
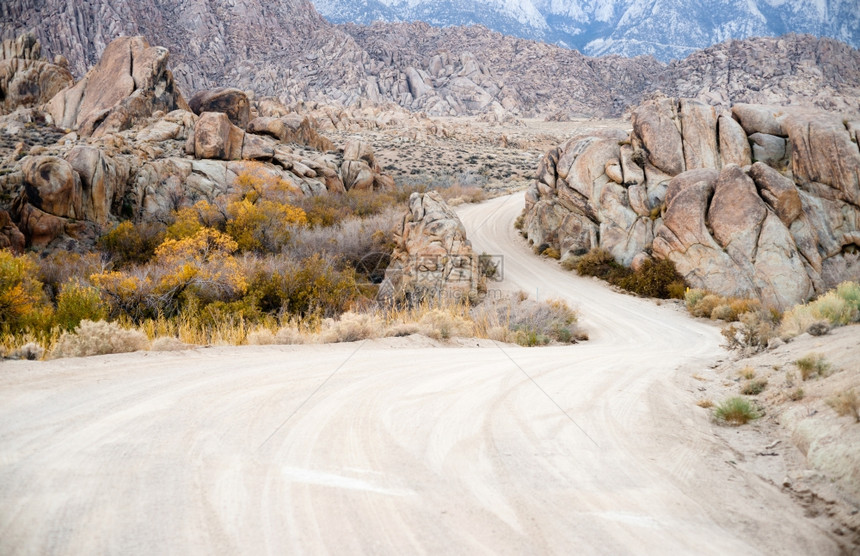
311, 287
23, 303
30, 351
838, 307
261, 337
443, 324
654, 279
201, 267
351, 327
186, 223
528, 322
796, 395
60, 267
364, 244
130, 243
736, 411
705, 403
598, 262
813, 364
290, 334
846, 403
552, 253
99, 338
753, 330
264, 225
850, 292
747, 373
754, 387
706, 306
692, 297
169, 343
77, 302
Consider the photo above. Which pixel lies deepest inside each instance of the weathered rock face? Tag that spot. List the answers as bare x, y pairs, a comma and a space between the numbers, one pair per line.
216, 137
232, 102
432, 260
25, 78
129, 83
683, 187
10, 236
360, 170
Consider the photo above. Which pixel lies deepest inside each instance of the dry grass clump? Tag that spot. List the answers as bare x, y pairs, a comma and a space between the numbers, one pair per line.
813, 364
838, 307
796, 395
753, 330
754, 387
846, 403
351, 327
701, 303
169, 343
736, 411
99, 338
705, 403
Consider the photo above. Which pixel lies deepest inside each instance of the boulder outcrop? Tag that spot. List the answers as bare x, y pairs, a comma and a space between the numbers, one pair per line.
25, 78
230, 101
144, 159
684, 187
129, 83
432, 260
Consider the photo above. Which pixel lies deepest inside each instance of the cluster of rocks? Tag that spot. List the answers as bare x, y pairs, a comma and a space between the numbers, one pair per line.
123, 142
287, 50
432, 259
761, 201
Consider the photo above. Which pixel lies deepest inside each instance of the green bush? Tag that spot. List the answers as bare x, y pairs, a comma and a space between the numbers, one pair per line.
736, 411
599, 263
78, 302
653, 279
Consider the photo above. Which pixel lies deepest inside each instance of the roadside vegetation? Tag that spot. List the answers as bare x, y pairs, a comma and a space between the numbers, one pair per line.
653, 278
262, 265
752, 326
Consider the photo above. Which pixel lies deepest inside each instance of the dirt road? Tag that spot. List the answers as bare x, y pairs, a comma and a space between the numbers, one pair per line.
405, 449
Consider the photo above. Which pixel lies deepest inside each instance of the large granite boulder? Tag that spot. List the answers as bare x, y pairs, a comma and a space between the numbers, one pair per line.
129, 83
683, 187
432, 259
232, 102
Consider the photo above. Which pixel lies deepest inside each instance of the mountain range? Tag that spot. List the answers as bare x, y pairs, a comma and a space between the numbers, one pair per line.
285, 48
666, 29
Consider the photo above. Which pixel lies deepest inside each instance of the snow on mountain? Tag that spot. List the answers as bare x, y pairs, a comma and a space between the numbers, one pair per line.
667, 29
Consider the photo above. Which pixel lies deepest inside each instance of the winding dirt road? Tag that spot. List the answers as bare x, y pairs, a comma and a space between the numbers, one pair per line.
405, 449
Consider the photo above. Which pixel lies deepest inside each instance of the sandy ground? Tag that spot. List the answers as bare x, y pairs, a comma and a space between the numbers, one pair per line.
394, 446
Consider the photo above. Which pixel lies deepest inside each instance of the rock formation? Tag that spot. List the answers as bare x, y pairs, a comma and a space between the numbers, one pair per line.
763, 201
432, 259
286, 49
139, 152
130, 82
25, 78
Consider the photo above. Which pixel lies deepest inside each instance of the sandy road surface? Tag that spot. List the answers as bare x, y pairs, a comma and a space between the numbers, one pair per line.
406, 449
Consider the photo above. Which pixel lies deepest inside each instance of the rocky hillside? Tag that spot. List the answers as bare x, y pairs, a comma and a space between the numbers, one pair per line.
136, 150
758, 202
287, 49
669, 29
